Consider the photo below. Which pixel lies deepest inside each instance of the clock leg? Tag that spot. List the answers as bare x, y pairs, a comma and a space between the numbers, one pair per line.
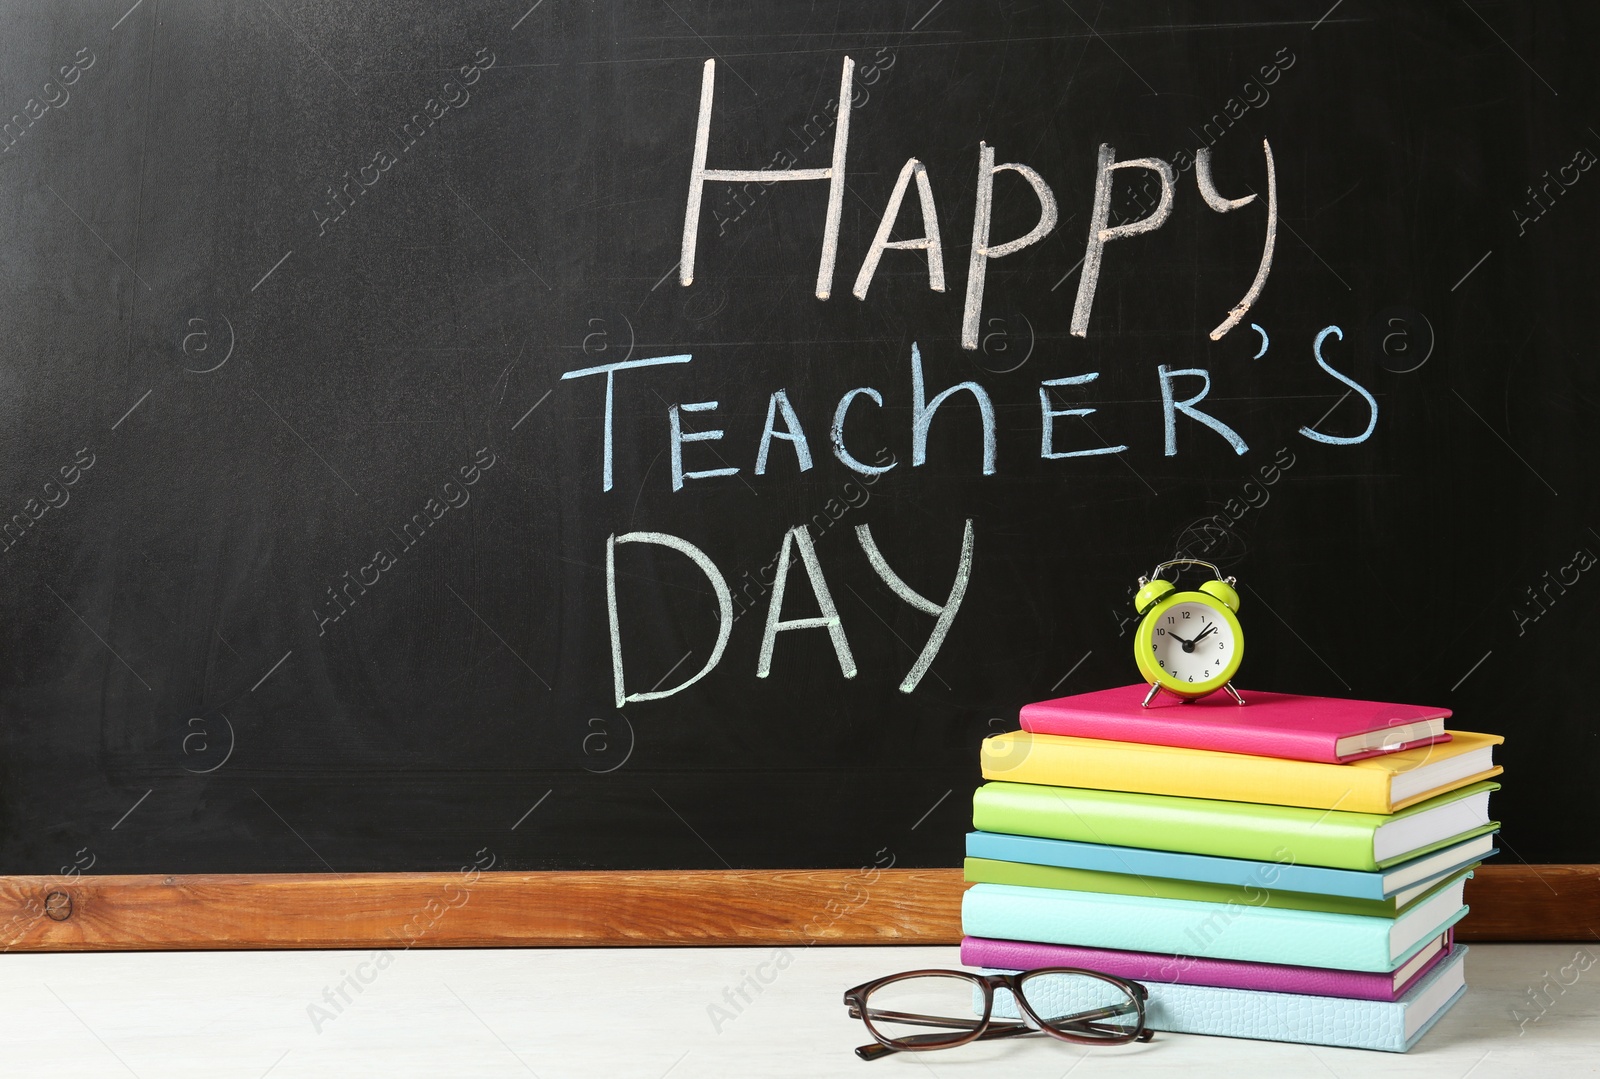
1233, 693
1148, 697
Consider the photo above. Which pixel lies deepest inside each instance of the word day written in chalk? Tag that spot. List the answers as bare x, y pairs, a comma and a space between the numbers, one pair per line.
983, 248
796, 548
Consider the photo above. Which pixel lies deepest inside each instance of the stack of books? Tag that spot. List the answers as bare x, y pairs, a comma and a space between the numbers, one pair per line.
1289, 870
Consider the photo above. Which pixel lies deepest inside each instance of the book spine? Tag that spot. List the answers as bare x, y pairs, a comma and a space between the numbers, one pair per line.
1256, 894
1151, 967
1289, 744
1238, 872
1188, 773
1254, 833
1206, 930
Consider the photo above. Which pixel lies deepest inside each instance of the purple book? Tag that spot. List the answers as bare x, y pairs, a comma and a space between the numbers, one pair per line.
1226, 973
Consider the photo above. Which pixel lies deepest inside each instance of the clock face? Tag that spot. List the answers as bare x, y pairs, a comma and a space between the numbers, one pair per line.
1191, 644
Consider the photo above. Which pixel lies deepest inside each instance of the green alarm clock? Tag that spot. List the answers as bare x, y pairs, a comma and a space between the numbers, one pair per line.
1188, 643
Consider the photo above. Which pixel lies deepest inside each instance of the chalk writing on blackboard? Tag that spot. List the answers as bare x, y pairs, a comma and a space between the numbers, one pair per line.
982, 249
1183, 390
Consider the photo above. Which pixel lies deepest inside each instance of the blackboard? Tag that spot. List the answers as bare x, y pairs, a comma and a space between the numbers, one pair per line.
307, 536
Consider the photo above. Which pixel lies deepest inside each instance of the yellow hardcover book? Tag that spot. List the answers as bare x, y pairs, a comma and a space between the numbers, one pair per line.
1382, 784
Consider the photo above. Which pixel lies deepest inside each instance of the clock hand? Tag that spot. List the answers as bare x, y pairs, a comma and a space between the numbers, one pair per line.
1209, 628
1175, 637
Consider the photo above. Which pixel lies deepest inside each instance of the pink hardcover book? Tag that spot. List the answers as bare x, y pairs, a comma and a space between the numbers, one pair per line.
1332, 730
1225, 973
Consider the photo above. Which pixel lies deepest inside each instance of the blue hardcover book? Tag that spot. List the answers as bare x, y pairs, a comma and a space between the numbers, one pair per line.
1412, 877
1279, 1017
1137, 923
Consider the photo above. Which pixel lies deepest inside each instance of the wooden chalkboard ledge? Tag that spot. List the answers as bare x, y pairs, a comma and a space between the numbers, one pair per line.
733, 907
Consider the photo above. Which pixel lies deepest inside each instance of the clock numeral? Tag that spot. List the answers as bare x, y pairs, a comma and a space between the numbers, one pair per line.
1171, 621
1160, 632
1191, 678
1186, 614
1206, 675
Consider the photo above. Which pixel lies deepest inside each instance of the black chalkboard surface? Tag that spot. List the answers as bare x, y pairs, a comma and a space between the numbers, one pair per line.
323, 553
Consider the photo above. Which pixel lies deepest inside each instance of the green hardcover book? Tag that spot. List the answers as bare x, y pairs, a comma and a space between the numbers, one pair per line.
1263, 833
994, 871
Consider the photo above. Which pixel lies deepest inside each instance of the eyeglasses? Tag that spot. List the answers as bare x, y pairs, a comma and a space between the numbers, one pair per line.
1075, 1005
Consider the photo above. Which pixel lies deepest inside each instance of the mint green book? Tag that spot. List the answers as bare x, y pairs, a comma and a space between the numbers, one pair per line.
1263, 833
1210, 930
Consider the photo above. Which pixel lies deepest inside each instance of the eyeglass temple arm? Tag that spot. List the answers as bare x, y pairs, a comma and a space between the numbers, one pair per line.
916, 1019
1144, 1035
1088, 1017
995, 1030
1086, 1021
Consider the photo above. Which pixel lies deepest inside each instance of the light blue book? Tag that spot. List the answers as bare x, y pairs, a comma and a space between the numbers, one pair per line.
1413, 877
1137, 923
1278, 1017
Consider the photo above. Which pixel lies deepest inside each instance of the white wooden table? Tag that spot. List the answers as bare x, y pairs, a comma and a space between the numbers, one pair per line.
651, 1013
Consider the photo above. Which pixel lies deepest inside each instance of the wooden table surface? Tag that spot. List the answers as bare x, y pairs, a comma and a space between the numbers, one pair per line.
654, 1012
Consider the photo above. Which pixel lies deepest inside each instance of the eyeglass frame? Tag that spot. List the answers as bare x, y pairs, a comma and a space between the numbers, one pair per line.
985, 1027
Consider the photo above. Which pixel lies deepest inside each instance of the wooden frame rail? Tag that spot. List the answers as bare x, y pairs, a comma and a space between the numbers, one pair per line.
733, 907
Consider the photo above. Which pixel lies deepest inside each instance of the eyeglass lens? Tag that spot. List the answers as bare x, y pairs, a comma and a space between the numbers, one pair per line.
925, 1011
1077, 1004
